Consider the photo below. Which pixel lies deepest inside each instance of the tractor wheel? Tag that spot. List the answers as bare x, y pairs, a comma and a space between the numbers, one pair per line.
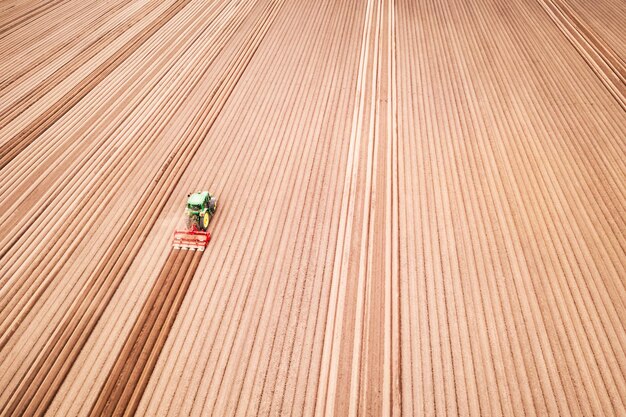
206, 218
190, 222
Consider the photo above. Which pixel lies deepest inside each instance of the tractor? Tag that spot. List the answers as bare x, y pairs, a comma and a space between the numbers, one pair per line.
199, 211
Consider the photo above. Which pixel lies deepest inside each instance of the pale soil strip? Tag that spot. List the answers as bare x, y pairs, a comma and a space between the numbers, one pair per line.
371, 389
358, 378
376, 393
326, 390
392, 380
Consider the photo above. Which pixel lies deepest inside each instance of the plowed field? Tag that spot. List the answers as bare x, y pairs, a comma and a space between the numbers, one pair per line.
422, 207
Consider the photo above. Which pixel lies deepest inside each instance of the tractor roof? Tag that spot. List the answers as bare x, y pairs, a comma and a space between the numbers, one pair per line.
198, 198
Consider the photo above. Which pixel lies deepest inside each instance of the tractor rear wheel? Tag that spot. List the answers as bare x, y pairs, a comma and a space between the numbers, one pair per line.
205, 220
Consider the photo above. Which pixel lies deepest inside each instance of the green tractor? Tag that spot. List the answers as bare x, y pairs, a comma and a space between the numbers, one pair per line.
200, 209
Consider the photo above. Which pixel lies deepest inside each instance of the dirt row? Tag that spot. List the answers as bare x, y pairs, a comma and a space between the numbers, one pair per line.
609, 67
421, 208
512, 206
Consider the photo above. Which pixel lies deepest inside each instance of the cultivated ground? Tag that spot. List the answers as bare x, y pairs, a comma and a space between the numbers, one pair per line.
422, 207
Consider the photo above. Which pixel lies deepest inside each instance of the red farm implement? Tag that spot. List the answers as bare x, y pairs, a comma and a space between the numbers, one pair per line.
193, 239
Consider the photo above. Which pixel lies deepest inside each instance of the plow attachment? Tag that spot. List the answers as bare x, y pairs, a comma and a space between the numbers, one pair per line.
191, 239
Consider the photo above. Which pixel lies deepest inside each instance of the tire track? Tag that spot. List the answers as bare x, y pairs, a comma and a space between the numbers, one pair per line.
133, 367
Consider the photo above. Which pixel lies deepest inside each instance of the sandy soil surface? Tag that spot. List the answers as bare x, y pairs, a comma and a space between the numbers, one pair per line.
422, 207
